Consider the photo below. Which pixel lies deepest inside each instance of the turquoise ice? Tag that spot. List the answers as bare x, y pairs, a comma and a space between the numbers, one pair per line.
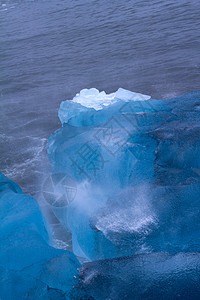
29, 267
133, 167
136, 164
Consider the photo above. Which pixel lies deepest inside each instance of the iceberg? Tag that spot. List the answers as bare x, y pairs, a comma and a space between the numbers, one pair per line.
136, 164
125, 185
29, 267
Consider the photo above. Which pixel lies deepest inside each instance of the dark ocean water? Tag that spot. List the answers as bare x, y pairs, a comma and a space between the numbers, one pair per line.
50, 50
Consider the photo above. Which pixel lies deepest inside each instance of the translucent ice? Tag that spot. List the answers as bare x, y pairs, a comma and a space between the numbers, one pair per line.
85, 107
29, 267
145, 276
136, 164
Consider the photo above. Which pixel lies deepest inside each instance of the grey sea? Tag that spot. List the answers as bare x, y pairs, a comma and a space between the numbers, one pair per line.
50, 50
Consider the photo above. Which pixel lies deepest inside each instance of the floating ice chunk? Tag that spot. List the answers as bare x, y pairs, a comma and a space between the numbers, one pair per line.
92, 98
89, 103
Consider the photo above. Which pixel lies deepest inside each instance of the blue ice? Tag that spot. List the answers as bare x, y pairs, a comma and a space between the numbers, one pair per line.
136, 164
29, 267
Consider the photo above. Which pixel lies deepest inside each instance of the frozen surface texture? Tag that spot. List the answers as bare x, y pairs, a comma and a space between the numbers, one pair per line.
144, 276
29, 267
137, 166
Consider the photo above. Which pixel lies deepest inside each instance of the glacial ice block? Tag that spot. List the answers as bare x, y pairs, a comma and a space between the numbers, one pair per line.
136, 164
29, 267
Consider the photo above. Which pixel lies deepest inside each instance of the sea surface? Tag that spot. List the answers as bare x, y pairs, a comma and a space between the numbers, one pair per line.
50, 50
